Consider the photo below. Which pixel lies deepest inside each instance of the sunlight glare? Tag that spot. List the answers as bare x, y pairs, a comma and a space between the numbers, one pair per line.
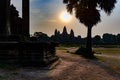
65, 17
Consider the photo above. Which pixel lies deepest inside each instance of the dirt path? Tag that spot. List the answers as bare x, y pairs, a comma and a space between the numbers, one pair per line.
71, 67
77, 68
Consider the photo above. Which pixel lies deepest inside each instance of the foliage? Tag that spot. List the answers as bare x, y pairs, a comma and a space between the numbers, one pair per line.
15, 21
109, 38
40, 37
87, 12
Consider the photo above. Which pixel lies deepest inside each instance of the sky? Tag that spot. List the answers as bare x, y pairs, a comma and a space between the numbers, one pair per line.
45, 17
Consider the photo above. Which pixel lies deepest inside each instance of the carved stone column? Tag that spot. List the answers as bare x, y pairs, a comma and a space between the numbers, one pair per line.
25, 15
4, 17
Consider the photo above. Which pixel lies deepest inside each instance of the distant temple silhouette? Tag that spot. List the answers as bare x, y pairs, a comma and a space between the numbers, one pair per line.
65, 38
62, 38
64, 33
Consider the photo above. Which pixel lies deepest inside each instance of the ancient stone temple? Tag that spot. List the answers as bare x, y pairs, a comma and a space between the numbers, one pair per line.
5, 18
17, 48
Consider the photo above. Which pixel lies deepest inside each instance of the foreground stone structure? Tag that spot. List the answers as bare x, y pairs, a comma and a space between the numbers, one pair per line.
25, 14
17, 48
27, 53
4, 17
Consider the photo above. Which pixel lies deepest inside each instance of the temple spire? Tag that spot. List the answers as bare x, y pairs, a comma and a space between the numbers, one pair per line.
71, 33
64, 33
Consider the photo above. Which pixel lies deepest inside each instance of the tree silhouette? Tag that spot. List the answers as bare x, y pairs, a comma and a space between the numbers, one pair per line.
15, 21
109, 38
118, 39
88, 13
97, 40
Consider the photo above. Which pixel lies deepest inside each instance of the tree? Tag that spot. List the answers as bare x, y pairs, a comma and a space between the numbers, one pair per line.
88, 13
15, 21
97, 40
118, 39
41, 37
109, 38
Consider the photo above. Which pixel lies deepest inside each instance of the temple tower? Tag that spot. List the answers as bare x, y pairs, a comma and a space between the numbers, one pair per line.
64, 33
25, 15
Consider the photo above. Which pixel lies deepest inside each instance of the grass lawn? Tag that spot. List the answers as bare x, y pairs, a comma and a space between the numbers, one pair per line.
61, 48
113, 63
109, 51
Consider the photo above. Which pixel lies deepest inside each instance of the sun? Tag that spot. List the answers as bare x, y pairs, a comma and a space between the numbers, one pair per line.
65, 17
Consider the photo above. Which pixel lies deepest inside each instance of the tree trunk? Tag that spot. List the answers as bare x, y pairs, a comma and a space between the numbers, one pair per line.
89, 43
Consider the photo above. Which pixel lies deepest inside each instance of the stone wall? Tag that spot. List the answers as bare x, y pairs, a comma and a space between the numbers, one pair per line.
27, 53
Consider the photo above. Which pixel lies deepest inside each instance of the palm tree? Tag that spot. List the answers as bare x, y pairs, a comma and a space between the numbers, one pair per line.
88, 13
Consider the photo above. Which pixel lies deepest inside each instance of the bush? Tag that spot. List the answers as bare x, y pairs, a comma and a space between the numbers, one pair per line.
83, 52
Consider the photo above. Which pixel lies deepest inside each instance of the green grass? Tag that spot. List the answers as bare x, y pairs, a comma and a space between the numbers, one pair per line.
111, 51
106, 46
95, 46
71, 45
112, 62
61, 48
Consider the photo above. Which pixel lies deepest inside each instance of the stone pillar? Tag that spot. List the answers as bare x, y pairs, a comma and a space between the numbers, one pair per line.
25, 15
8, 18
4, 17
